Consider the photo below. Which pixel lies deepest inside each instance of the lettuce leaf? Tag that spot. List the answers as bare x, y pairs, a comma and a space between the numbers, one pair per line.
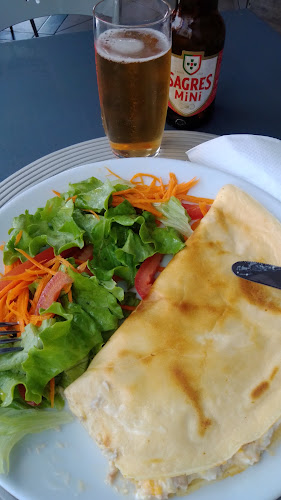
123, 239
175, 216
64, 344
17, 423
96, 199
53, 225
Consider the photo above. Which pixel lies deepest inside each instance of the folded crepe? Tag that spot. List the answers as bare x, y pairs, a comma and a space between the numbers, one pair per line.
188, 389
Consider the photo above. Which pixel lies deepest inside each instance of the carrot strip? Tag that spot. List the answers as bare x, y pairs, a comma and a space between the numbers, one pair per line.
79, 261
8, 287
3, 308
196, 199
112, 173
56, 193
22, 277
151, 176
65, 262
69, 294
52, 392
128, 191
91, 212
82, 267
7, 269
185, 186
54, 264
14, 292
22, 304
18, 237
73, 198
67, 287
203, 207
38, 264
37, 320
42, 283
128, 308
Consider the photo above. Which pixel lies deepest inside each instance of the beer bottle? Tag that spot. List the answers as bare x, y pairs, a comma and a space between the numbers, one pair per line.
198, 34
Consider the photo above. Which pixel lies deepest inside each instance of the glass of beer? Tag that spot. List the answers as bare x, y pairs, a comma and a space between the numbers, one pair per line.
133, 59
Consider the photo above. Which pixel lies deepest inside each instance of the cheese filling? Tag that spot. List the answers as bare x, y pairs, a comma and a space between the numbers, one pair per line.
161, 489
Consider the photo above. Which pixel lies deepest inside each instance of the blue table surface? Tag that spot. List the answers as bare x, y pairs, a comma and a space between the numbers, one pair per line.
49, 96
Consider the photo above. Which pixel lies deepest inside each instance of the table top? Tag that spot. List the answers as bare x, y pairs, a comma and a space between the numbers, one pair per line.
49, 96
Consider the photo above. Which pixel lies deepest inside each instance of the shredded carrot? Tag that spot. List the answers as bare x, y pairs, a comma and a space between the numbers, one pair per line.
7, 288
7, 269
22, 305
128, 308
52, 392
144, 196
203, 207
15, 303
82, 267
65, 262
69, 295
73, 198
112, 173
42, 283
36, 320
2, 247
56, 193
67, 288
196, 199
38, 264
151, 176
18, 237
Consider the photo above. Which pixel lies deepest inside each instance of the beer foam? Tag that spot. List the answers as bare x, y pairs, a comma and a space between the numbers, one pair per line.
127, 46
116, 48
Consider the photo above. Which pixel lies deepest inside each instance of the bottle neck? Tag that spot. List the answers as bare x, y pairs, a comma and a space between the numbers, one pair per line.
197, 7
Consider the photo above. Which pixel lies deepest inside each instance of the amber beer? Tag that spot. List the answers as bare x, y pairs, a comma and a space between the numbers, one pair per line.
133, 71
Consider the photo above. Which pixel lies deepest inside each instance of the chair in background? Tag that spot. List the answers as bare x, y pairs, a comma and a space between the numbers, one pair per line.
16, 11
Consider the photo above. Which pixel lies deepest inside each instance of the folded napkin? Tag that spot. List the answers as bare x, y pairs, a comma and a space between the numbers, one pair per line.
254, 158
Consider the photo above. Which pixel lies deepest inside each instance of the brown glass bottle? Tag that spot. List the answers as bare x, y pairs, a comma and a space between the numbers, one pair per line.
198, 34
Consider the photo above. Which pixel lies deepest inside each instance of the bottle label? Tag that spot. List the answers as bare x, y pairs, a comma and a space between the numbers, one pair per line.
193, 82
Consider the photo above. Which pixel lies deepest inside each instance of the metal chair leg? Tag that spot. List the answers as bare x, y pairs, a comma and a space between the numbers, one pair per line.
12, 32
34, 28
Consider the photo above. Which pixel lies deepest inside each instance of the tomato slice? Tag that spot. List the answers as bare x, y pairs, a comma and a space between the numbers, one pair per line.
22, 392
52, 290
86, 253
193, 210
146, 274
45, 255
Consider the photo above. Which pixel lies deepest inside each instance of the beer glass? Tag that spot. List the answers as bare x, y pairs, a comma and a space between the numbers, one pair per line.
133, 58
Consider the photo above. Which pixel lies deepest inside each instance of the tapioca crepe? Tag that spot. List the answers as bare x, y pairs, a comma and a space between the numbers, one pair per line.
189, 387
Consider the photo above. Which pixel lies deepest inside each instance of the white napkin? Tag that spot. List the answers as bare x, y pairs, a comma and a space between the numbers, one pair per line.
254, 158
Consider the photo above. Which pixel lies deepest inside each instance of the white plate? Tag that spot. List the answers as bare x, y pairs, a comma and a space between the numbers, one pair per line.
66, 464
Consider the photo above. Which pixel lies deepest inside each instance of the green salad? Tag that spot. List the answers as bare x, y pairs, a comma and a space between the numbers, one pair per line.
74, 270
